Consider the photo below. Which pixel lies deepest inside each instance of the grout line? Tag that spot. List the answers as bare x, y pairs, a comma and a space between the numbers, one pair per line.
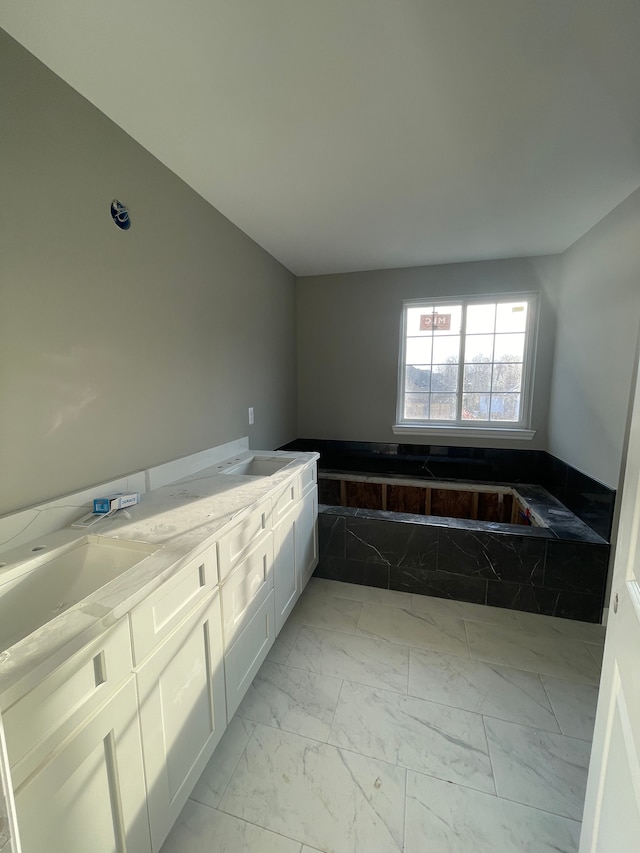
505, 799
483, 713
538, 729
282, 731
233, 772
354, 599
449, 782
405, 809
260, 826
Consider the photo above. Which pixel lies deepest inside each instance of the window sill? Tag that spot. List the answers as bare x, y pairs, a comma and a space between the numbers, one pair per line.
458, 431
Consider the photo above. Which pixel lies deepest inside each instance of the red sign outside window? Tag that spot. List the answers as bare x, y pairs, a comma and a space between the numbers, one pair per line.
435, 322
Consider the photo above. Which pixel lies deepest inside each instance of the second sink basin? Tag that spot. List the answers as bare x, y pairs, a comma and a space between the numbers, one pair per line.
259, 466
35, 590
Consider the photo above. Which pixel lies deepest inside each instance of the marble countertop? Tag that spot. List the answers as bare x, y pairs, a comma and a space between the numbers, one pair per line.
184, 518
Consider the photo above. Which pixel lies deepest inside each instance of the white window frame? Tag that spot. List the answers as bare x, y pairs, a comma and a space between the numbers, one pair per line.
480, 429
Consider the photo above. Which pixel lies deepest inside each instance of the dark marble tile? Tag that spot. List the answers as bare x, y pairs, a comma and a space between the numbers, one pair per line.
587, 498
553, 476
591, 501
345, 511
560, 521
439, 584
350, 571
515, 596
331, 535
578, 605
507, 466
391, 543
497, 557
576, 566
328, 491
426, 460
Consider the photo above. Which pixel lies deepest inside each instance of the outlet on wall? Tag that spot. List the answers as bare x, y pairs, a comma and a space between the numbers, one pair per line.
250, 415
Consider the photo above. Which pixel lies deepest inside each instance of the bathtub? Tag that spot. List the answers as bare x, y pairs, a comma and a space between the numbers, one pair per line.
501, 544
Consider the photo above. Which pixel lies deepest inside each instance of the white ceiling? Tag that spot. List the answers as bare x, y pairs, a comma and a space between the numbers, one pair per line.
359, 134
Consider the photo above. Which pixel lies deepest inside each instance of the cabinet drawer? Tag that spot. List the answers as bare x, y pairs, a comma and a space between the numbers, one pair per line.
243, 538
41, 719
243, 660
286, 500
157, 616
246, 588
308, 478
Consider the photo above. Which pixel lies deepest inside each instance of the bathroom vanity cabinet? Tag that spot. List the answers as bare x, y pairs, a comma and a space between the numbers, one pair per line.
105, 749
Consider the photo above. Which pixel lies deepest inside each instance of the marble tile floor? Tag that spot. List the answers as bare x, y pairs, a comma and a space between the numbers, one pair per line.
384, 722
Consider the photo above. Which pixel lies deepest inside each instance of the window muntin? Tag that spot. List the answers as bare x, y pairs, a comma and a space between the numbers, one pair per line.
467, 361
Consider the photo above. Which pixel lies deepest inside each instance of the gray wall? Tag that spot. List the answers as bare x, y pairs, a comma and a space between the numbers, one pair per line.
120, 350
598, 313
348, 338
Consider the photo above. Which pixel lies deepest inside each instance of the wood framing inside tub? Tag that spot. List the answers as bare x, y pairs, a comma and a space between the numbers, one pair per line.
476, 501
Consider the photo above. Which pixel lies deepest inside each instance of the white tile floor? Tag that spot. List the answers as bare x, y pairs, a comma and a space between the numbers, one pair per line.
385, 722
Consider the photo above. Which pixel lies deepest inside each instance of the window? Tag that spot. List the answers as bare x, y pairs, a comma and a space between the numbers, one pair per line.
467, 363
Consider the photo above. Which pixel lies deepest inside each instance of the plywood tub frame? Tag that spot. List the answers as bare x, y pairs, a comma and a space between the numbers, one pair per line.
476, 501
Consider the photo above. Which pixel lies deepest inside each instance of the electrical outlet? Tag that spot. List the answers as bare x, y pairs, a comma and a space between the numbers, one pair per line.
250, 415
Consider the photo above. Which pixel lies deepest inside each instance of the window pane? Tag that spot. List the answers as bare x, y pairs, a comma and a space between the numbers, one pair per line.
446, 349
413, 320
444, 377
509, 348
511, 317
505, 407
416, 406
477, 377
454, 323
481, 318
507, 377
418, 350
479, 348
417, 377
443, 407
475, 407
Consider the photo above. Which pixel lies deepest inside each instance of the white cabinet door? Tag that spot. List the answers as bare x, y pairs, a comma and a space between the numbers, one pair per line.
182, 713
90, 796
307, 536
286, 577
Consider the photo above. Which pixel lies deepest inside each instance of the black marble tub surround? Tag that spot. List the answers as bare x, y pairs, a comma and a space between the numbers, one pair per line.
479, 562
588, 499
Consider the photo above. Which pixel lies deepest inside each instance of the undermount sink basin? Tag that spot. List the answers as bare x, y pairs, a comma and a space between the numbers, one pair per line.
48, 581
259, 466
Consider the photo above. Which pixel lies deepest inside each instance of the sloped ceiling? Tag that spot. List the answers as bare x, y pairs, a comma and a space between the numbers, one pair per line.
359, 134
